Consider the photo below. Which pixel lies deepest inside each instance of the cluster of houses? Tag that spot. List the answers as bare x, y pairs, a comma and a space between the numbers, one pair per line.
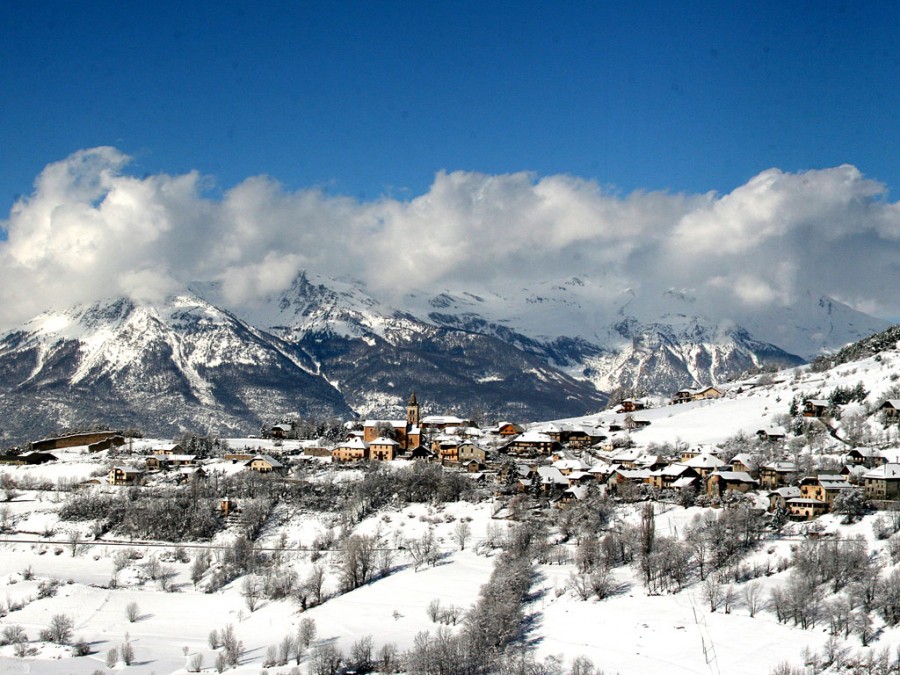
560, 461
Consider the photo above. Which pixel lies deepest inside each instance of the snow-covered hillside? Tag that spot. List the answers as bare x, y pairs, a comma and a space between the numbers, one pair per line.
685, 626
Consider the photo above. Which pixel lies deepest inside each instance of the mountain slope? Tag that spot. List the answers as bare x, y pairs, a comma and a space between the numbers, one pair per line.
185, 364
376, 355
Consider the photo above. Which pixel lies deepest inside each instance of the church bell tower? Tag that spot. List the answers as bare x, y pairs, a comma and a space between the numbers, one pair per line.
412, 411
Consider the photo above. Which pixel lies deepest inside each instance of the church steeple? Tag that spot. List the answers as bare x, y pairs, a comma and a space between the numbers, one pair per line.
412, 411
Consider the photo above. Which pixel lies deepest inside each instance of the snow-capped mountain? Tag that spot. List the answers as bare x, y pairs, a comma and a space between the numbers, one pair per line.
328, 347
182, 365
188, 365
376, 354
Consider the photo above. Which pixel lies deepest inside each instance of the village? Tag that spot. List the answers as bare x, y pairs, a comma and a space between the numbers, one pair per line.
557, 463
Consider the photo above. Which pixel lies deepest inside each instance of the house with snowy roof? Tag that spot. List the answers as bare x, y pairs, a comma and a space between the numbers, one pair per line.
816, 407
777, 474
705, 464
532, 443
720, 482
354, 449
265, 464
862, 457
384, 449
890, 410
883, 482
824, 487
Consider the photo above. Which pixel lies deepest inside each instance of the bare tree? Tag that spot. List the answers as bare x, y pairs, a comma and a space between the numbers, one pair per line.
231, 646
753, 597
132, 612
646, 541
357, 560
127, 651
325, 659
423, 550
361, 655
195, 663
316, 582
306, 633
461, 534
74, 540
712, 592
60, 629
251, 592
582, 665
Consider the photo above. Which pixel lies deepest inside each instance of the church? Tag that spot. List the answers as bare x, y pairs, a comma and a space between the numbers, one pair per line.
407, 433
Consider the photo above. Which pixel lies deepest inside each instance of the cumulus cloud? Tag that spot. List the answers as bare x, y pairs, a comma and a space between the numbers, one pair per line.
91, 230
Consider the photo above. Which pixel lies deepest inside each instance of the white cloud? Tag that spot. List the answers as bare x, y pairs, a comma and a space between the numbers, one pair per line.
91, 230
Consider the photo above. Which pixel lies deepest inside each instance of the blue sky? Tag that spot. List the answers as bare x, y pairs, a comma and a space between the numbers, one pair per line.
744, 154
372, 98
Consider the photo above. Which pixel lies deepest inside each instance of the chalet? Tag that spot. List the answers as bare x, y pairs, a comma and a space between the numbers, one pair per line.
682, 396
697, 450
550, 477
421, 452
567, 466
168, 449
633, 476
868, 457
705, 464
771, 434
31, 457
160, 461
778, 497
532, 443
702, 394
667, 476
803, 508
584, 436
472, 465
890, 410
509, 429
816, 407
446, 448
601, 471
743, 461
721, 482
353, 450
824, 487
627, 457
227, 506
777, 474
124, 475
883, 483
384, 449
705, 393
579, 478
187, 473
652, 462
630, 405
467, 452
282, 430
265, 464
442, 422
570, 495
